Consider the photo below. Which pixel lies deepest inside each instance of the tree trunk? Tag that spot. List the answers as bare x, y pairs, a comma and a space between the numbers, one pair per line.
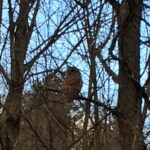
10, 119
19, 39
129, 97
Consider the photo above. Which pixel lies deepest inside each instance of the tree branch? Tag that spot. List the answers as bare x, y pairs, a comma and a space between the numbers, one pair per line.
107, 69
2, 71
1, 7
142, 90
60, 30
115, 4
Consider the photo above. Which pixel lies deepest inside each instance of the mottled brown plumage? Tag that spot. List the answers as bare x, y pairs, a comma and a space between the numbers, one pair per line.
72, 84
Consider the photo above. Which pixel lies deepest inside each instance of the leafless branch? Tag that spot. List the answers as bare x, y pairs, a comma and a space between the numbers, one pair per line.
5, 75
87, 131
35, 132
1, 6
108, 69
33, 20
84, 4
60, 30
115, 4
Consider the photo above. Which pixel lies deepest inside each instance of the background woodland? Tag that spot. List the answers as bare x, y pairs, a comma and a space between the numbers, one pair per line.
108, 41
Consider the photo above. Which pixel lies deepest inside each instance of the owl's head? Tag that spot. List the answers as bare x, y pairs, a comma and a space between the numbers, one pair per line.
72, 70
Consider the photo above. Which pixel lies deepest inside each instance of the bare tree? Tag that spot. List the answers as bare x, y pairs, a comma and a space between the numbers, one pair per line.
22, 25
108, 40
129, 94
128, 17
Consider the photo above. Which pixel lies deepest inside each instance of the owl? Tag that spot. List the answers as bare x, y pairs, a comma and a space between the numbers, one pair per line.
72, 84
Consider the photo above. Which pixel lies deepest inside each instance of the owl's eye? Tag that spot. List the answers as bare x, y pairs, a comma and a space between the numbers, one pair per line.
72, 70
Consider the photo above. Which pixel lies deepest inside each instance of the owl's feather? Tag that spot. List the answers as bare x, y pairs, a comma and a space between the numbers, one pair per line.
72, 84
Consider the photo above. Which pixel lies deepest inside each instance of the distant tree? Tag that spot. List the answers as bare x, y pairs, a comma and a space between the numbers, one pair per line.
46, 123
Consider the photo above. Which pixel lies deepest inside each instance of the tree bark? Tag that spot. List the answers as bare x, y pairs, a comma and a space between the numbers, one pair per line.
129, 97
10, 118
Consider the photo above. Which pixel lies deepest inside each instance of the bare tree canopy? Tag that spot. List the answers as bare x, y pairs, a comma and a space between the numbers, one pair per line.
106, 42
